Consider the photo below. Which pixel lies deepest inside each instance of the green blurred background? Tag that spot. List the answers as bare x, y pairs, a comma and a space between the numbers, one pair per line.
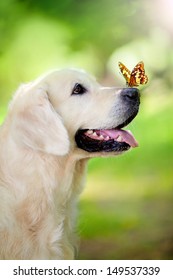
126, 210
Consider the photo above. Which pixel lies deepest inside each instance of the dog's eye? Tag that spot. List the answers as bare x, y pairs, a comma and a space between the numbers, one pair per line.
78, 89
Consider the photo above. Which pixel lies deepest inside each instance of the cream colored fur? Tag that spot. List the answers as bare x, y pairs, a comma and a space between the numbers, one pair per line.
41, 169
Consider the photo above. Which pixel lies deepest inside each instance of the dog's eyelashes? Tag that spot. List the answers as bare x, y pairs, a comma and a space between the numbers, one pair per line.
78, 89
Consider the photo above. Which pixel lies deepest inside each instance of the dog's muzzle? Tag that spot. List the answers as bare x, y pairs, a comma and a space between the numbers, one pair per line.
112, 139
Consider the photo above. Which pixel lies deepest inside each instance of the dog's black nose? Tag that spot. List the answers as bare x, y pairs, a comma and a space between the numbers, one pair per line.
130, 94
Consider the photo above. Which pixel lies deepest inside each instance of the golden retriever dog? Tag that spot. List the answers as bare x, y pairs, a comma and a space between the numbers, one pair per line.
53, 126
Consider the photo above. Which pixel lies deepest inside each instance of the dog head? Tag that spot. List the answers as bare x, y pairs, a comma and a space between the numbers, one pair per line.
68, 110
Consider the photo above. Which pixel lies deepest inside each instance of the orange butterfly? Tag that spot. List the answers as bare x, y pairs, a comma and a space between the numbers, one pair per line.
136, 77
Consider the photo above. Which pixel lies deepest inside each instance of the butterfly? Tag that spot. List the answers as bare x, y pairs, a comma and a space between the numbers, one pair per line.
136, 77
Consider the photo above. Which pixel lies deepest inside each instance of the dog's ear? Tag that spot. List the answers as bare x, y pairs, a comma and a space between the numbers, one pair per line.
37, 125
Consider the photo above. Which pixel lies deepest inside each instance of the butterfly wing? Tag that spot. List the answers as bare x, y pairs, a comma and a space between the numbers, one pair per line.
138, 75
125, 72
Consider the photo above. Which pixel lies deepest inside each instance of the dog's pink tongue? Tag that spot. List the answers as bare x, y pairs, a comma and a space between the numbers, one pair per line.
124, 135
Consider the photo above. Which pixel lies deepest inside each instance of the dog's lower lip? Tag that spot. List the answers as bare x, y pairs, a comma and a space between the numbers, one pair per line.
89, 144
107, 139
117, 135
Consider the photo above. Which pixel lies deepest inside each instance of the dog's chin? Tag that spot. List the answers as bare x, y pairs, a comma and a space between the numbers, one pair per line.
114, 140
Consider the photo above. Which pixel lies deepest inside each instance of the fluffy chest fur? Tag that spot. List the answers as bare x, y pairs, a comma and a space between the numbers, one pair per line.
40, 214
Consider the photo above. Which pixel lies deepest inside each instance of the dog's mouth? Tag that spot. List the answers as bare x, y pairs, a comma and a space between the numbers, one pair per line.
106, 140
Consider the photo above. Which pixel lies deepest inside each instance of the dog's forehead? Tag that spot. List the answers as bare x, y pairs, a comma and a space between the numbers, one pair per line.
72, 76
65, 80
77, 75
